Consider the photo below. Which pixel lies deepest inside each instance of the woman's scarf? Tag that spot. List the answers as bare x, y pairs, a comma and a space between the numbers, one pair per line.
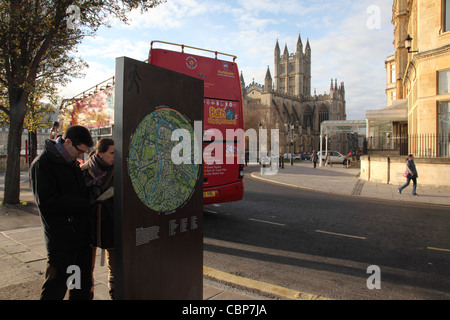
101, 172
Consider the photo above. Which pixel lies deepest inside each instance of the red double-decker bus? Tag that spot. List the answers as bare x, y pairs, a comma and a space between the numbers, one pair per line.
223, 113
222, 182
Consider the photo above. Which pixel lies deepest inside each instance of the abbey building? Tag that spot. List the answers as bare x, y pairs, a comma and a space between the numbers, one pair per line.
285, 102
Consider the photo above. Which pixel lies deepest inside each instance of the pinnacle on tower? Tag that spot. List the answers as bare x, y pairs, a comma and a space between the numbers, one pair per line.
268, 76
286, 52
277, 50
268, 81
299, 44
308, 48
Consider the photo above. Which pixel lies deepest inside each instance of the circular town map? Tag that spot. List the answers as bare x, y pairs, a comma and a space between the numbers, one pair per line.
160, 184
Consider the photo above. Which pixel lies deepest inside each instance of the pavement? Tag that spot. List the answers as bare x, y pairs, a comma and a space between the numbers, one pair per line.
23, 254
340, 180
23, 260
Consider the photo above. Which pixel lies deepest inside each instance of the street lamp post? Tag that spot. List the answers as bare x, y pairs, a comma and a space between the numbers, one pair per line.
291, 135
260, 144
291, 140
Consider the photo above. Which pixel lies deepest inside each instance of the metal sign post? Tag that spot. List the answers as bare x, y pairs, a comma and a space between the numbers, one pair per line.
158, 199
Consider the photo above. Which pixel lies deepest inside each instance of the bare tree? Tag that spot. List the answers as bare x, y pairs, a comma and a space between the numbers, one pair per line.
38, 39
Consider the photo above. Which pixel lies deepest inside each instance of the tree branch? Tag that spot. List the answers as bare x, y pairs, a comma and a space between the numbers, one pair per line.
59, 16
4, 109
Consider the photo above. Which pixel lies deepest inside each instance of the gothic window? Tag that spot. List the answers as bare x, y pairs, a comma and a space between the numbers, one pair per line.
323, 114
282, 85
291, 68
291, 85
307, 118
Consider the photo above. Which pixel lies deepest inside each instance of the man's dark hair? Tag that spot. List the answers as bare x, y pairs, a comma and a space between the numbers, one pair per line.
78, 135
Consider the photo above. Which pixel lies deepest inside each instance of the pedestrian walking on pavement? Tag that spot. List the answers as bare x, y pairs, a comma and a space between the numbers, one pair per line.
411, 174
99, 177
314, 158
63, 202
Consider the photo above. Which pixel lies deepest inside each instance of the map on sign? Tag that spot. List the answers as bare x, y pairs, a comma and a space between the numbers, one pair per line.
159, 183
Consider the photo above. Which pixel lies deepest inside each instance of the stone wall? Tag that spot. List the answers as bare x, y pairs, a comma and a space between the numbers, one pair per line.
390, 169
23, 164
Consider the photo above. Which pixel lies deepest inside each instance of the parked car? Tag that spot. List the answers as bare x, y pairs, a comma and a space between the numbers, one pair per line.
306, 156
295, 156
335, 157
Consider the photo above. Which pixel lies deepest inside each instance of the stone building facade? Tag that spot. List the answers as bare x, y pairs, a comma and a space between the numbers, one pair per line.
285, 102
422, 85
423, 72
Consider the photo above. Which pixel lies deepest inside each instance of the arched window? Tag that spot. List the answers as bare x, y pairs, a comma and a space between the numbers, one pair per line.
323, 114
307, 118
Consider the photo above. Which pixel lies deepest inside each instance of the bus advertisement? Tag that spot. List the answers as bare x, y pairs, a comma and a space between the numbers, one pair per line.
223, 114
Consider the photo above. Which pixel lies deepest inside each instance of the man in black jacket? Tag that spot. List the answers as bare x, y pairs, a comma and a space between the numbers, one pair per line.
64, 207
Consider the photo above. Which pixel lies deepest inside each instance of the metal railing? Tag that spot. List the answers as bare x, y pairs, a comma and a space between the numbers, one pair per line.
195, 48
427, 145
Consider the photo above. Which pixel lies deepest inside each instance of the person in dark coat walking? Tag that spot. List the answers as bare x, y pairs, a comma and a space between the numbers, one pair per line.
412, 175
63, 202
314, 158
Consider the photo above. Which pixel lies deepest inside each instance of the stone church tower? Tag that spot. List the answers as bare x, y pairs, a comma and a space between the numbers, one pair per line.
293, 72
285, 102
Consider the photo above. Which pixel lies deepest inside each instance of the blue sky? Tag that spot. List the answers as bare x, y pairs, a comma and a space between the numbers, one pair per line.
349, 39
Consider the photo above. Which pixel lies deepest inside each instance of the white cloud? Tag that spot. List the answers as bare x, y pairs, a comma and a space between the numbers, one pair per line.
96, 73
103, 48
100, 54
355, 54
171, 15
283, 6
250, 22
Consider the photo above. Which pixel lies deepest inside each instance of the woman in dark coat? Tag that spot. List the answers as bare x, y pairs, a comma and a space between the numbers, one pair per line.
99, 177
314, 158
412, 175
